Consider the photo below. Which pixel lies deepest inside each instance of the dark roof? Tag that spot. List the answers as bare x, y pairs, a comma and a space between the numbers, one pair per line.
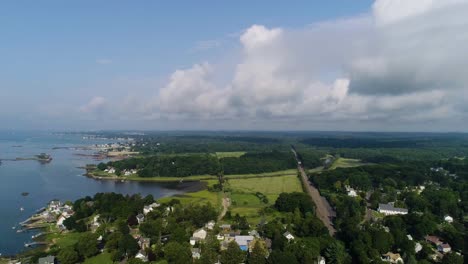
390, 207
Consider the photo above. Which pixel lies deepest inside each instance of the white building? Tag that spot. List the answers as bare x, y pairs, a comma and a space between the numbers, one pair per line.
448, 219
210, 225
200, 233
288, 236
142, 256
392, 258
444, 248
351, 191
389, 209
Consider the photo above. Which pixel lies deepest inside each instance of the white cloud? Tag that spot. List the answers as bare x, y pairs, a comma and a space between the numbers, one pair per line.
97, 105
403, 63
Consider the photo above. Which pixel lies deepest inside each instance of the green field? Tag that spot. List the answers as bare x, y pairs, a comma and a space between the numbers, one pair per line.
234, 154
244, 201
346, 163
200, 197
103, 258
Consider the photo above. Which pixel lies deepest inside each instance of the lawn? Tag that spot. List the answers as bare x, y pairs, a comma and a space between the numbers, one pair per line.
346, 163
200, 197
265, 174
103, 258
244, 201
65, 239
233, 154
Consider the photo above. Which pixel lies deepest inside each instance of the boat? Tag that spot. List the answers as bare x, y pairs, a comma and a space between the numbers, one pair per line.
21, 209
24, 193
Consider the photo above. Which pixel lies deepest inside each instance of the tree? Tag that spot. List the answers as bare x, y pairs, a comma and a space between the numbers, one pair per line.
87, 245
135, 261
177, 253
452, 258
258, 255
335, 253
68, 256
233, 254
281, 257
128, 245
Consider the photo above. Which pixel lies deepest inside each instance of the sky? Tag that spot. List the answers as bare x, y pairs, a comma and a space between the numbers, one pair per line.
383, 65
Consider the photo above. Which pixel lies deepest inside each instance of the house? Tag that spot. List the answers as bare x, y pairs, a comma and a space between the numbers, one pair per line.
220, 237
111, 171
417, 247
351, 191
448, 219
433, 239
389, 209
225, 227
320, 260
144, 242
196, 253
288, 236
210, 225
410, 238
140, 218
47, 260
244, 242
200, 233
150, 208
392, 258
141, 255
194, 240
444, 248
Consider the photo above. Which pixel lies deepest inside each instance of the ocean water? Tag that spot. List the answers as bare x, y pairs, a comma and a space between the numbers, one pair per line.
60, 179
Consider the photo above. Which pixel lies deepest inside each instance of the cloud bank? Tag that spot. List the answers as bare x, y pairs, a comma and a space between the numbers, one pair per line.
404, 62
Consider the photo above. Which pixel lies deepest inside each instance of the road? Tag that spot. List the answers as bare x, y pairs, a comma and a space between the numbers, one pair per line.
323, 209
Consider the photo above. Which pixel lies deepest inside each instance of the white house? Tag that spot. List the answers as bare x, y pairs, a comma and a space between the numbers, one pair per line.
210, 225
150, 208
444, 248
389, 209
417, 247
111, 171
194, 240
288, 236
200, 233
142, 256
448, 219
351, 191
196, 253
320, 260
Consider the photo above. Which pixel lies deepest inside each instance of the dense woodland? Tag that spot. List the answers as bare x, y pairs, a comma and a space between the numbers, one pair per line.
205, 164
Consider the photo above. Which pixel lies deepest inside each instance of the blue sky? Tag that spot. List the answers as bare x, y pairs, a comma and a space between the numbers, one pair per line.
71, 65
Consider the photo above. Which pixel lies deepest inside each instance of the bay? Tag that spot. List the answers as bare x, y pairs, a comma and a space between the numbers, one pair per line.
62, 179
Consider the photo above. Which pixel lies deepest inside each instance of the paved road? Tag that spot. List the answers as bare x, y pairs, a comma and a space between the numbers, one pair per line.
323, 209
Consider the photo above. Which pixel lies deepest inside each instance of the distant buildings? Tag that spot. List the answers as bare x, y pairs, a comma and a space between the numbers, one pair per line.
389, 209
